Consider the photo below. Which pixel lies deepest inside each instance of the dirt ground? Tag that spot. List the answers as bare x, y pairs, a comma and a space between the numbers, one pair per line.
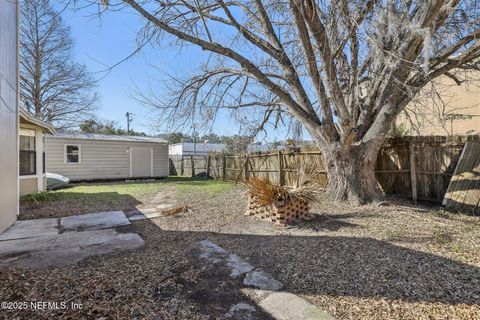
389, 262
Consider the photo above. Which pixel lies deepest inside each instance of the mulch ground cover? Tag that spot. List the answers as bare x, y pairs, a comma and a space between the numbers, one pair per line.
390, 262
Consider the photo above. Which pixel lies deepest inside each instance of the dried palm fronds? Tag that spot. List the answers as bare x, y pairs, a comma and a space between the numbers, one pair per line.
171, 212
307, 173
265, 191
308, 192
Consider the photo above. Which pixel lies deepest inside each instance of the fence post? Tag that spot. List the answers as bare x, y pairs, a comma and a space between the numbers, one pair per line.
208, 166
192, 166
245, 169
182, 169
281, 171
413, 170
224, 165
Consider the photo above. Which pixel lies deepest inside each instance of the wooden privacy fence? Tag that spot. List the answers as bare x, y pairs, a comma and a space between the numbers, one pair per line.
280, 167
416, 167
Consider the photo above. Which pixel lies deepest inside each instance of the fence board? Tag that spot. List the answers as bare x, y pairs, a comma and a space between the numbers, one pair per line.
393, 169
463, 192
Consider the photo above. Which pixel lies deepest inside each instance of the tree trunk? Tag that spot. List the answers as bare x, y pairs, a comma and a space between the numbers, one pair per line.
351, 175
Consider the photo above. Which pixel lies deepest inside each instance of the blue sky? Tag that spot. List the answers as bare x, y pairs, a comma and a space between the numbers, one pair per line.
104, 40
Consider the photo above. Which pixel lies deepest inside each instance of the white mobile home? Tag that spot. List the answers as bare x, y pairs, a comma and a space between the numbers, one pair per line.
190, 148
83, 157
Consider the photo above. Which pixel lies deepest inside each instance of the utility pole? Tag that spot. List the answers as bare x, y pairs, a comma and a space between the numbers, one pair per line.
129, 119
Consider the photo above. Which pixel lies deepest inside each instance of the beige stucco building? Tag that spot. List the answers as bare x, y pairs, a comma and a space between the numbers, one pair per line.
445, 108
8, 113
31, 144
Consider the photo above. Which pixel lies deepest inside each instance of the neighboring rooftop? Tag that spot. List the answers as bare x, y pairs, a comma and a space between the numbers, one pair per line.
26, 117
95, 136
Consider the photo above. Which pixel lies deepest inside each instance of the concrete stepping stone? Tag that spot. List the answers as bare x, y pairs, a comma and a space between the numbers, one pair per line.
153, 215
148, 213
242, 310
31, 228
64, 249
148, 210
164, 207
137, 215
289, 306
261, 280
212, 252
280, 305
238, 265
94, 221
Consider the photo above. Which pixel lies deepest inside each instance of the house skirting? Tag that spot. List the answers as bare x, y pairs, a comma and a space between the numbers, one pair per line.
34, 184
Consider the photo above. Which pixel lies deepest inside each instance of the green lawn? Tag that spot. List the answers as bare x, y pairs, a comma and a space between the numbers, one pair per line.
137, 190
210, 187
108, 196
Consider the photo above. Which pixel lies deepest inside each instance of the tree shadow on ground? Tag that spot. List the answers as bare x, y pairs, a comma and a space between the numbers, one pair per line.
326, 222
360, 267
74, 203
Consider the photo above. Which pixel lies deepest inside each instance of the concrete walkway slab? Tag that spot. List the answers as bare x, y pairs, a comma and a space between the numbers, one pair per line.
94, 221
31, 228
64, 249
55, 242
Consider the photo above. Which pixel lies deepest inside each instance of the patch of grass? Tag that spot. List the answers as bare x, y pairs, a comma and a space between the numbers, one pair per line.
137, 190
442, 214
393, 234
112, 196
184, 179
457, 247
210, 187
39, 197
442, 236
140, 190
88, 198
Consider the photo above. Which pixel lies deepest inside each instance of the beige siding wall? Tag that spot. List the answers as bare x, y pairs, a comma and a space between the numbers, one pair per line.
28, 186
8, 114
32, 185
428, 114
101, 159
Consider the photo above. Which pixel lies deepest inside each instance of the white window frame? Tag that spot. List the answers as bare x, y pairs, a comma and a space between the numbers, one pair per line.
35, 136
79, 153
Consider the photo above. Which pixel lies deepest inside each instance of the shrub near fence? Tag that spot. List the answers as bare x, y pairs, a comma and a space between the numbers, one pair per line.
416, 167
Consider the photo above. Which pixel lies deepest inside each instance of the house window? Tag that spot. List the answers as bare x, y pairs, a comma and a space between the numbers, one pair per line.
72, 153
28, 154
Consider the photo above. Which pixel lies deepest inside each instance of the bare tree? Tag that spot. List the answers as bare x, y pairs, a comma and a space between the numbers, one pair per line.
52, 86
344, 69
